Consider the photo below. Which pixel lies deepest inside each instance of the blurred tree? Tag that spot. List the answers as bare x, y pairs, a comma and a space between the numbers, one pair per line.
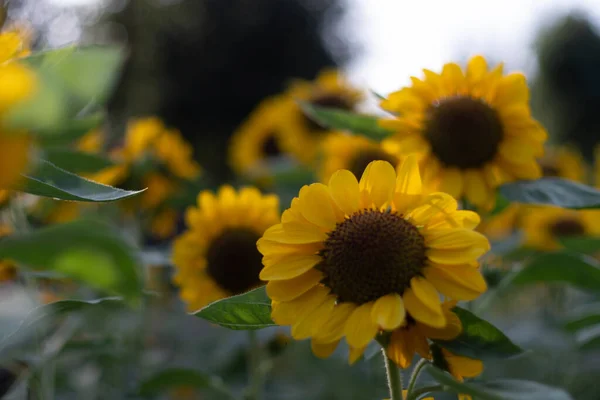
203, 65
566, 93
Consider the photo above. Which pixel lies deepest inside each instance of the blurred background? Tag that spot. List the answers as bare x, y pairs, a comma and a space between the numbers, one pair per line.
203, 65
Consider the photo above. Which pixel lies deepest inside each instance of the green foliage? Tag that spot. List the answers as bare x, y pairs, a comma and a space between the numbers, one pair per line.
364, 125
479, 339
176, 378
552, 191
583, 317
499, 389
581, 244
89, 251
76, 161
48, 180
71, 81
248, 311
69, 131
568, 267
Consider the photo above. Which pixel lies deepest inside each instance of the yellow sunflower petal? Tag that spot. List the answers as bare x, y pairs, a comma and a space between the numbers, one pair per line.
476, 188
452, 329
289, 289
333, 329
345, 191
462, 367
455, 239
408, 180
388, 311
323, 350
355, 354
423, 303
451, 182
379, 181
289, 267
455, 257
457, 282
294, 234
434, 205
360, 328
294, 312
316, 207
476, 69
318, 317
512, 89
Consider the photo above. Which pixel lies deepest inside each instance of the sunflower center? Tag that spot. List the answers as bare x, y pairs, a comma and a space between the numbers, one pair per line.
234, 261
550, 170
359, 162
567, 227
371, 254
328, 100
463, 132
270, 147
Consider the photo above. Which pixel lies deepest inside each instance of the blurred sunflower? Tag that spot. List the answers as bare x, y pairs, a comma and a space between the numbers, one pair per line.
301, 136
217, 256
257, 141
543, 226
472, 131
354, 153
563, 162
14, 43
17, 84
352, 259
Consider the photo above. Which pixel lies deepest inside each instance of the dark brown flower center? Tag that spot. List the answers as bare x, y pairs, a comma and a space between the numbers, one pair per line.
371, 254
567, 227
360, 161
549, 170
234, 261
463, 132
328, 100
270, 147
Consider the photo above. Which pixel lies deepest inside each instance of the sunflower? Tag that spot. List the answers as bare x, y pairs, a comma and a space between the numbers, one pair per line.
543, 226
301, 136
472, 131
563, 162
217, 256
354, 259
17, 84
14, 43
257, 141
354, 153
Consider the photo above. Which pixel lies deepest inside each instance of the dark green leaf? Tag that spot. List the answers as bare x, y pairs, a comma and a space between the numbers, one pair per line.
567, 267
501, 204
248, 311
175, 378
48, 180
583, 317
581, 244
76, 161
552, 191
479, 339
332, 118
506, 389
89, 251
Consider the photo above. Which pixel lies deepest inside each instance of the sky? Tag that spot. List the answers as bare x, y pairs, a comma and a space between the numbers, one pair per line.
400, 37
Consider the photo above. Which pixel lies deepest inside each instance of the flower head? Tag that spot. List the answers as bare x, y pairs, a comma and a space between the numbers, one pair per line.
353, 259
217, 256
472, 130
301, 136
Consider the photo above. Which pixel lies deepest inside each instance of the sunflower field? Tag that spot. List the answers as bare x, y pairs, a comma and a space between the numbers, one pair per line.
440, 245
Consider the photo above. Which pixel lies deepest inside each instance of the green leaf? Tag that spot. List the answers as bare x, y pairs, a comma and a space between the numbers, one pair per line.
588, 338
581, 244
565, 266
504, 389
48, 180
248, 311
552, 191
69, 131
72, 81
178, 377
583, 317
501, 204
76, 161
89, 251
479, 339
364, 125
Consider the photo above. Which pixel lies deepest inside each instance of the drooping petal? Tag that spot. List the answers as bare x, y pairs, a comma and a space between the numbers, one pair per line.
360, 328
423, 303
458, 238
401, 348
289, 267
355, 354
294, 234
318, 317
333, 329
323, 350
293, 312
457, 282
388, 311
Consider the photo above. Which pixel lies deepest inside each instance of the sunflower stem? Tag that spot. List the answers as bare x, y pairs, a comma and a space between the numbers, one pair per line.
415, 375
394, 377
426, 389
256, 369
